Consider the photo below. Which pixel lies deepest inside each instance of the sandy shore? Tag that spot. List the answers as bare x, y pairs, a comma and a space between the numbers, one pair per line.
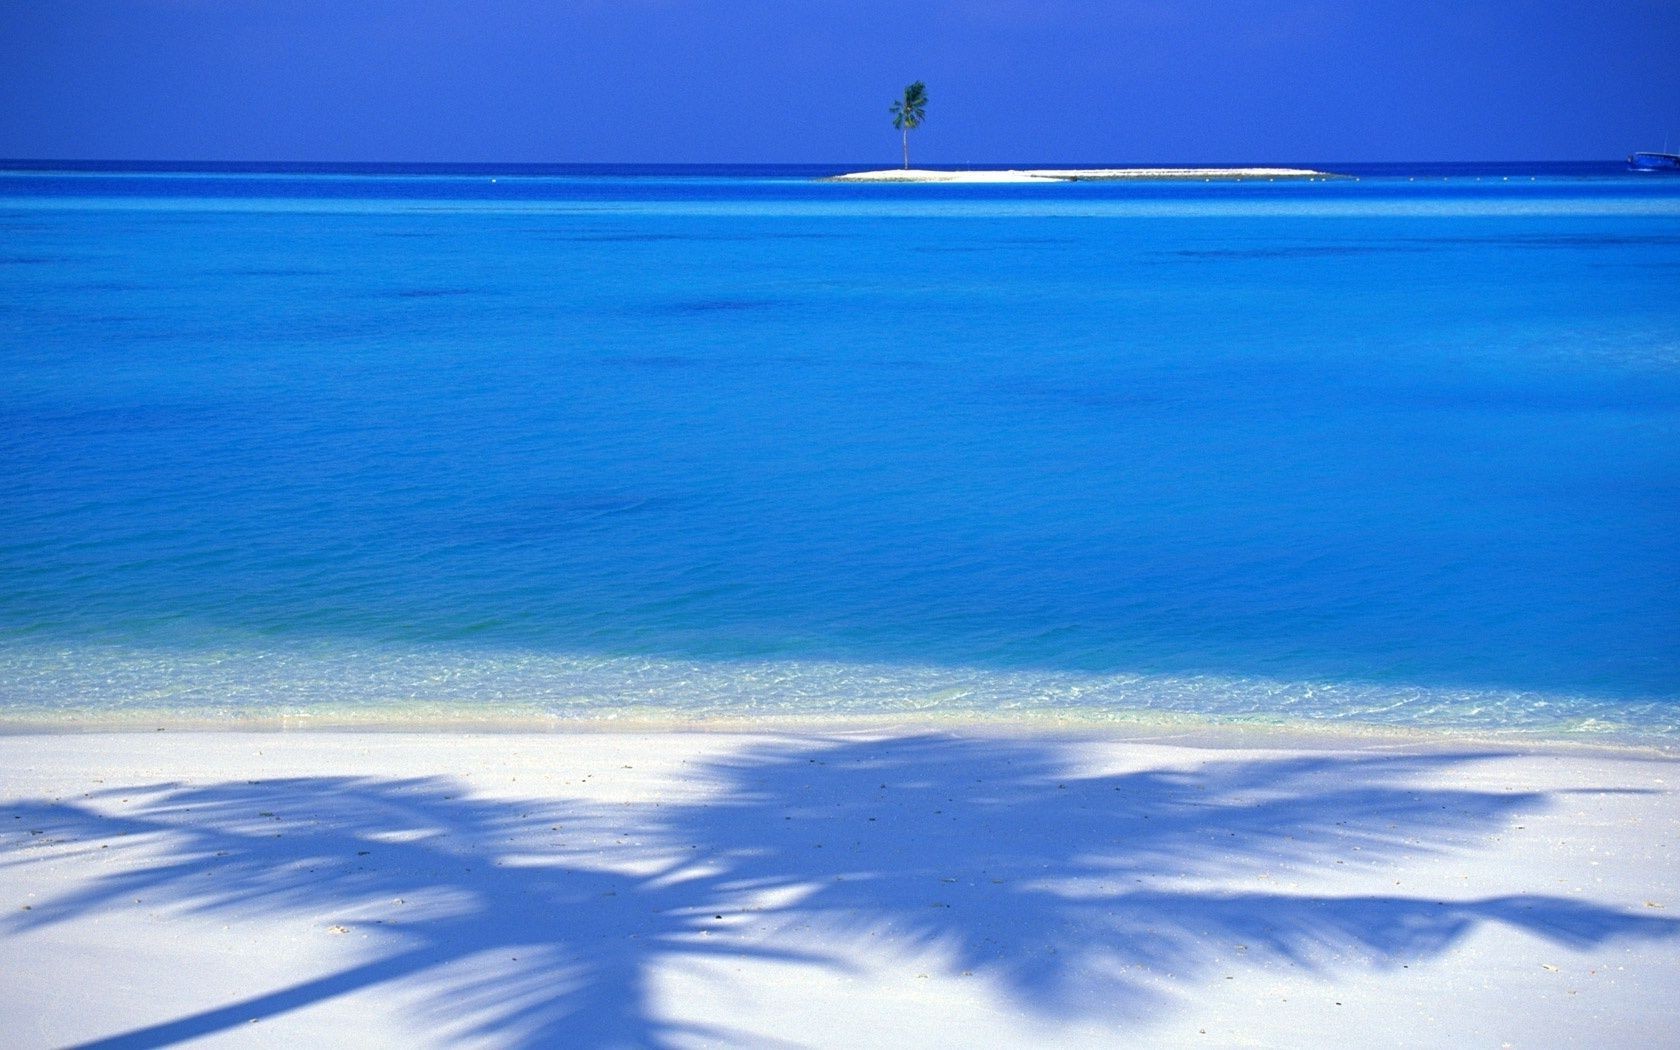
1078, 174
960, 890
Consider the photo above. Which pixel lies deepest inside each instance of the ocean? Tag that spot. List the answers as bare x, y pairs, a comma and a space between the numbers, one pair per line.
395, 445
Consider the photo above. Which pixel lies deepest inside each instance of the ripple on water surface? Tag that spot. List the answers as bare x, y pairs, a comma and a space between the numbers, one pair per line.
297, 686
1372, 452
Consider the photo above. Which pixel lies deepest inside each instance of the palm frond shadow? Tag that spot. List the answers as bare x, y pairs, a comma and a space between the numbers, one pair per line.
541, 923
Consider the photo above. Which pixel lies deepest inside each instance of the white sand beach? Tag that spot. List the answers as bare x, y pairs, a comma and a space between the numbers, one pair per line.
1078, 175
832, 889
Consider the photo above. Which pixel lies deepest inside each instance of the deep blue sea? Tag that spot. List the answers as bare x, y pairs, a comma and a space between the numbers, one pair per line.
698, 444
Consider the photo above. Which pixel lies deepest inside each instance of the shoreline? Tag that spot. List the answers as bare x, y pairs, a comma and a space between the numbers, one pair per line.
373, 889
446, 690
1151, 727
1038, 175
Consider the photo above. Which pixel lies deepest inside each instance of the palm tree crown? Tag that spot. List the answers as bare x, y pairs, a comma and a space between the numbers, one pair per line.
909, 112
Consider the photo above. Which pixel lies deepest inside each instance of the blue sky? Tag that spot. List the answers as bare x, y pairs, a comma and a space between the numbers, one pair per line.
790, 81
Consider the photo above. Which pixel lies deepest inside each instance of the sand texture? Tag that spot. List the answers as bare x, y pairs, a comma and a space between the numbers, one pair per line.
830, 890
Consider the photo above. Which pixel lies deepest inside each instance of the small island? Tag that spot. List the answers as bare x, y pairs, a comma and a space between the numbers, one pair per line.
1078, 175
909, 112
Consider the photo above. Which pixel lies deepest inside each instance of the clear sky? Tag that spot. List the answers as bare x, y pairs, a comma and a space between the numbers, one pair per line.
810, 80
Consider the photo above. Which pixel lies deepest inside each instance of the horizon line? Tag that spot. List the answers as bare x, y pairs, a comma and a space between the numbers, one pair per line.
931, 165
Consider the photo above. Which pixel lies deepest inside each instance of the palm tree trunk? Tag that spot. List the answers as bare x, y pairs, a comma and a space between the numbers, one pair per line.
906, 149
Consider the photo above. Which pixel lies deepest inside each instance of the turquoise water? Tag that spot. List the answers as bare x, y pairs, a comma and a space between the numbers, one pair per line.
1395, 450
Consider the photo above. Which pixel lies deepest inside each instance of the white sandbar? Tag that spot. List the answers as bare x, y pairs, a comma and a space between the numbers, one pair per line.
831, 889
1078, 174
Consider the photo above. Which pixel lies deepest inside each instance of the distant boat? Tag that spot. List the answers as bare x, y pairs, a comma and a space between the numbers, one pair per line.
1654, 161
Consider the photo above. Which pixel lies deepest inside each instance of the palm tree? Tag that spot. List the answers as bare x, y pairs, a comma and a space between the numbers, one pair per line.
908, 113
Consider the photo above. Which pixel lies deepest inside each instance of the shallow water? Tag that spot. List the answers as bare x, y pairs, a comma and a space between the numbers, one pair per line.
1396, 450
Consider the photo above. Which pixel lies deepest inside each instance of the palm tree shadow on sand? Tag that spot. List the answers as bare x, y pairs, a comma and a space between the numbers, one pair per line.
543, 923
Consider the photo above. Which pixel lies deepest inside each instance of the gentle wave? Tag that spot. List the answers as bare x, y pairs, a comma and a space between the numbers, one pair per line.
113, 686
